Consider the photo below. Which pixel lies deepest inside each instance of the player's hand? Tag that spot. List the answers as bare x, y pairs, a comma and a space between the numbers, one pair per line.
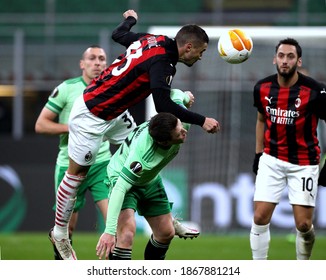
105, 245
322, 176
131, 13
191, 99
211, 125
256, 162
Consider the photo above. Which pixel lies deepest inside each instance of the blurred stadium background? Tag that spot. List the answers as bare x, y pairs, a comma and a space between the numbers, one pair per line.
210, 182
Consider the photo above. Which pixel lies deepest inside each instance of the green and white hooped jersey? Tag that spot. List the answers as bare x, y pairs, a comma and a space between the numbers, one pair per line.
60, 102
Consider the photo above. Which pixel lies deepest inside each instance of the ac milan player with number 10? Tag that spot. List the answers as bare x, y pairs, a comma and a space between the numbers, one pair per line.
289, 106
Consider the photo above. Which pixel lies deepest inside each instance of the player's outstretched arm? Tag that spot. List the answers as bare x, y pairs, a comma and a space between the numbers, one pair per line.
122, 34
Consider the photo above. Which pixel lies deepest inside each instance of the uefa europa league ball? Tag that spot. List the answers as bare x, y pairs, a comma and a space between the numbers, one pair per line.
235, 46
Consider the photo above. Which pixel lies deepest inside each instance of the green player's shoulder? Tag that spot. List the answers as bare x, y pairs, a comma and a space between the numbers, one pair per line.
75, 80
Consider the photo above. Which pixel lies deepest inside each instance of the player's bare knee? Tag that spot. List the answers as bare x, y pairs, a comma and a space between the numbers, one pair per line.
304, 226
260, 220
125, 240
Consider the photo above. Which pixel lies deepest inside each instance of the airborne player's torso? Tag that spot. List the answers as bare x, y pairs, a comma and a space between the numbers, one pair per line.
130, 78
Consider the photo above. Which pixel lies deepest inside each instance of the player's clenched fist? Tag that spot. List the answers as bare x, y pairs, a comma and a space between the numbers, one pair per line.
130, 13
211, 125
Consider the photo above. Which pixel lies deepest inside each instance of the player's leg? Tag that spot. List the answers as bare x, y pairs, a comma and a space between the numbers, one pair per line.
126, 231
98, 187
303, 186
163, 232
58, 176
269, 186
65, 203
305, 238
120, 128
260, 232
85, 137
102, 206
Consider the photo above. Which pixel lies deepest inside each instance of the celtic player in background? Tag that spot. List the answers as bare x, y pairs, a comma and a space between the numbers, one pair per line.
134, 176
53, 120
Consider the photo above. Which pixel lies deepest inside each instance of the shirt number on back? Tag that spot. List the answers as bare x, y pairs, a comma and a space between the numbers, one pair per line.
134, 51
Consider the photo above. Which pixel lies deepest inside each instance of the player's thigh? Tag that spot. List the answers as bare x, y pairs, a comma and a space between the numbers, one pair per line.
270, 180
153, 200
120, 128
162, 227
96, 181
85, 134
303, 184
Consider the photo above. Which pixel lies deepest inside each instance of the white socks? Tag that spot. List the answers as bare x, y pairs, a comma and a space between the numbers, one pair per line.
260, 238
259, 241
304, 243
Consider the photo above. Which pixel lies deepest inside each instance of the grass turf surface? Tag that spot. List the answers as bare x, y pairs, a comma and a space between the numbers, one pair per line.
36, 246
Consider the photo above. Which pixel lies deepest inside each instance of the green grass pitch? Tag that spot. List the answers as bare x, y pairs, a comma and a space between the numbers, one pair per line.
36, 246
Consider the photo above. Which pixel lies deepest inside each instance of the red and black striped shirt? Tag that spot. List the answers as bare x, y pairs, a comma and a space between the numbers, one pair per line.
291, 121
129, 79
147, 67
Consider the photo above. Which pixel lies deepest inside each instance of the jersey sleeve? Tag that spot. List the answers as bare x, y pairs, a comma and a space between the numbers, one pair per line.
57, 99
164, 103
257, 102
115, 203
179, 97
122, 33
320, 103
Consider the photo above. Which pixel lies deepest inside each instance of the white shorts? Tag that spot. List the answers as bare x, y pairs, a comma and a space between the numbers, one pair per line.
275, 175
87, 131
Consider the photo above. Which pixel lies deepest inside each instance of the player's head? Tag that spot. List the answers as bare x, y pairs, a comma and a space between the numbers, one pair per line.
92, 62
166, 129
192, 41
287, 57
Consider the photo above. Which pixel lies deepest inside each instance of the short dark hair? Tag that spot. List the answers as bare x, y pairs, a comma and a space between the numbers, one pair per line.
161, 126
290, 41
192, 33
94, 46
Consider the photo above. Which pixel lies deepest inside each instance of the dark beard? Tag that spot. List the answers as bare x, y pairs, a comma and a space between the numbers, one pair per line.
288, 75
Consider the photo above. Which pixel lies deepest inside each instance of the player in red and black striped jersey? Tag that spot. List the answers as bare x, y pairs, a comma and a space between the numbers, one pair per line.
101, 113
147, 67
287, 151
290, 119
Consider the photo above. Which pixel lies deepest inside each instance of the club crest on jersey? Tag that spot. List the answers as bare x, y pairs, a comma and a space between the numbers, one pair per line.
136, 167
54, 93
169, 80
297, 103
88, 156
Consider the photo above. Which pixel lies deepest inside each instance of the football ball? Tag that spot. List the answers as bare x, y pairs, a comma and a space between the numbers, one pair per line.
235, 46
